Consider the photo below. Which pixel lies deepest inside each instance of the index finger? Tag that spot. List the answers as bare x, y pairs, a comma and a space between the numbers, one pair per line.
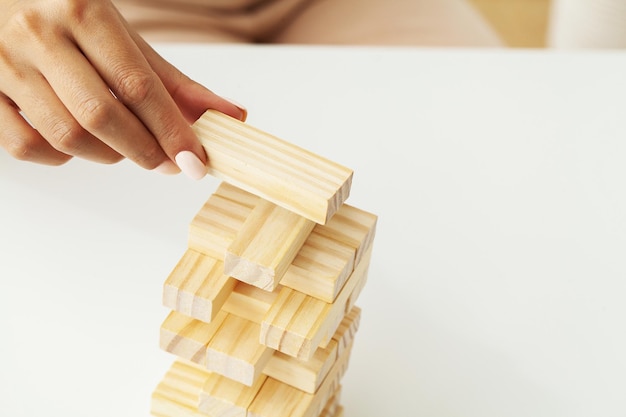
123, 67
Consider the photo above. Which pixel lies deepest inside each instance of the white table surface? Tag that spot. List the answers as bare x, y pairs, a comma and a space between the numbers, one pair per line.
498, 282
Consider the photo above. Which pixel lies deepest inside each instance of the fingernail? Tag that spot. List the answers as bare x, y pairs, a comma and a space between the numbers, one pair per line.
167, 168
191, 165
244, 111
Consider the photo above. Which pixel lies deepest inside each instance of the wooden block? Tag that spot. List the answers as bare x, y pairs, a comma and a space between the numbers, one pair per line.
223, 397
303, 375
178, 392
362, 271
276, 399
235, 352
236, 194
266, 244
197, 287
165, 407
323, 263
230, 346
356, 292
354, 227
188, 338
332, 383
344, 336
297, 324
330, 253
308, 375
186, 390
332, 406
249, 302
217, 223
321, 267
271, 168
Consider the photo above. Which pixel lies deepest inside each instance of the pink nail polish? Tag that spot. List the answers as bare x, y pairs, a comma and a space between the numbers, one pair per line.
167, 168
191, 165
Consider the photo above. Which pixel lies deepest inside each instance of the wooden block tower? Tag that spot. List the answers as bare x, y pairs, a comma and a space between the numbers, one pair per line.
263, 314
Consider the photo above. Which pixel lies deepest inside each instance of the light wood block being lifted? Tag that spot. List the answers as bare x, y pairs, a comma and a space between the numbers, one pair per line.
271, 168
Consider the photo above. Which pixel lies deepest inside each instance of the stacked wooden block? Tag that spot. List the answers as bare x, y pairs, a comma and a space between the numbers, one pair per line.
263, 313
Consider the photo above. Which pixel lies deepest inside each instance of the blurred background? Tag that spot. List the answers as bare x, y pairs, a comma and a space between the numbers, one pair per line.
557, 23
520, 23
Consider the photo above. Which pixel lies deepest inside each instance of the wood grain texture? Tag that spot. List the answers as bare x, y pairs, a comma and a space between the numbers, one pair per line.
271, 168
218, 221
223, 397
323, 263
178, 392
329, 255
354, 227
276, 399
345, 333
197, 287
297, 324
236, 194
235, 352
249, 302
187, 390
188, 338
229, 346
266, 244
308, 375
333, 405
303, 375
320, 268
352, 299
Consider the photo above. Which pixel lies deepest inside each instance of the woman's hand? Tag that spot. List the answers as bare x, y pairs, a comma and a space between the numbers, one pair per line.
92, 88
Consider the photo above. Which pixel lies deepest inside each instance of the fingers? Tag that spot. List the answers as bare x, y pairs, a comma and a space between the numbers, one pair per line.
88, 99
122, 66
22, 141
93, 88
192, 98
54, 122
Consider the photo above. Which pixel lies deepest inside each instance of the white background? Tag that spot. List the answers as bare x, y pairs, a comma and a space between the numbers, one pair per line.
498, 280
